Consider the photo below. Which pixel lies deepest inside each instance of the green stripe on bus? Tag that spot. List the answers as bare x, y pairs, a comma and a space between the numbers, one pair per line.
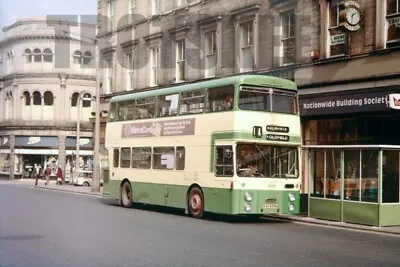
247, 136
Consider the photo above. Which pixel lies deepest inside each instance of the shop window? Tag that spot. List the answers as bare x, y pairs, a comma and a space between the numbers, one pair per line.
337, 38
145, 108
192, 102
369, 175
167, 105
27, 98
180, 158
224, 161
116, 157
37, 98
74, 99
351, 174
220, 99
48, 98
164, 158
125, 157
390, 179
141, 157
126, 110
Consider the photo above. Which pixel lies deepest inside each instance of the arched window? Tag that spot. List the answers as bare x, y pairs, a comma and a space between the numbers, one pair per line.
37, 98
87, 58
27, 98
28, 55
48, 98
74, 99
37, 55
47, 55
87, 102
77, 57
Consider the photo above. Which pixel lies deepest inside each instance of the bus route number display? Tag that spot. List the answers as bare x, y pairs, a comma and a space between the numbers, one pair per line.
258, 132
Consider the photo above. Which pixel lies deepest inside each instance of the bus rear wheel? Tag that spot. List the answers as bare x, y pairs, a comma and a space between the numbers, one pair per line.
126, 195
196, 203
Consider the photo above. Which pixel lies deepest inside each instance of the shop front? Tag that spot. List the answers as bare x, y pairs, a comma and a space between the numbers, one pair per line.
85, 156
4, 156
352, 155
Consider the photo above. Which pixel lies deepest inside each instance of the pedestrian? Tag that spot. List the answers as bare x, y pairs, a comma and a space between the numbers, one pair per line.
36, 171
47, 174
59, 176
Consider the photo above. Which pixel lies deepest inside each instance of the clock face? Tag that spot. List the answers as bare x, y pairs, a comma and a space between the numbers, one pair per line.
353, 16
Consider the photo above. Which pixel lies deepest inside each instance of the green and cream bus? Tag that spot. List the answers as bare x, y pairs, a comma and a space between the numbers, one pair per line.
229, 145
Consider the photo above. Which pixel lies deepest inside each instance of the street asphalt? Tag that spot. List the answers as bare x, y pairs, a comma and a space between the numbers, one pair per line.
51, 228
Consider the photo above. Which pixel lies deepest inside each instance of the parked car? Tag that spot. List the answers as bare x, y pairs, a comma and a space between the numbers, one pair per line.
83, 178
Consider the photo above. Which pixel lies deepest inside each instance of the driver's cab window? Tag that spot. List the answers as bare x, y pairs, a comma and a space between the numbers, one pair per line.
224, 161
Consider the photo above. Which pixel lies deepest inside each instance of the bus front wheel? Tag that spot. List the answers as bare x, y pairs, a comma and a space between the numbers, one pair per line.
126, 195
196, 203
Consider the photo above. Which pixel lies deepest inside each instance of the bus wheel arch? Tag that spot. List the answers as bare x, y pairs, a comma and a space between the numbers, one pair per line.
125, 193
195, 201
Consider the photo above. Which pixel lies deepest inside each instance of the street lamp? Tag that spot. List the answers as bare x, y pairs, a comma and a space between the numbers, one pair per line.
78, 127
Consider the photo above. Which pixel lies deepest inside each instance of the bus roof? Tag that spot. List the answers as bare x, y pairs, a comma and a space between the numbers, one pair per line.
260, 80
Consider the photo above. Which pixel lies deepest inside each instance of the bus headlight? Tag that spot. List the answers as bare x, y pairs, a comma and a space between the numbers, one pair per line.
247, 207
292, 197
291, 207
248, 196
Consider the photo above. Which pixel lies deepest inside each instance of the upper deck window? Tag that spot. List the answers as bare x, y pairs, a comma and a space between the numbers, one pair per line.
260, 99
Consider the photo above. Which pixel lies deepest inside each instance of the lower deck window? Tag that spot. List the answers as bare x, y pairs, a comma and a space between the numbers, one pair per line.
164, 158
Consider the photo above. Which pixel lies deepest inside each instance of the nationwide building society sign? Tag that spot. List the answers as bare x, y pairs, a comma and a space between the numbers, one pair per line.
350, 103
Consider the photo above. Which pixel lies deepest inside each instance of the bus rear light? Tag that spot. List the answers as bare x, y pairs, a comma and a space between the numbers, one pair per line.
231, 187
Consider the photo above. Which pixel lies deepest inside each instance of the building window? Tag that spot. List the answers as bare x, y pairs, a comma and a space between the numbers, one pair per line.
28, 56
155, 7
10, 61
154, 61
393, 23
111, 15
74, 99
247, 47
77, 57
37, 55
48, 98
87, 58
336, 38
288, 37
211, 54
37, 98
87, 100
27, 98
109, 75
47, 55
180, 60
129, 71
132, 11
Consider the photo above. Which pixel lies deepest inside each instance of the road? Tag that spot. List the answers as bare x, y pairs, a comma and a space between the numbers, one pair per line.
49, 228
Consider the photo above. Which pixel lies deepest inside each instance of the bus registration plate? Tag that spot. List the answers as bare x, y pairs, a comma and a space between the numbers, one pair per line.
270, 206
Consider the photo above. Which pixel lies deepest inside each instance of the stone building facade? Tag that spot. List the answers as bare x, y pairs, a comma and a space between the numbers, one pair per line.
47, 79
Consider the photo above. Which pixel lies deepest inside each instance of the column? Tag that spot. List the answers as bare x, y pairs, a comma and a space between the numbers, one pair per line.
12, 156
62, 152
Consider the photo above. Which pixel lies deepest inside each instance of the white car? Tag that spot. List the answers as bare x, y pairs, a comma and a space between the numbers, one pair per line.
83, 178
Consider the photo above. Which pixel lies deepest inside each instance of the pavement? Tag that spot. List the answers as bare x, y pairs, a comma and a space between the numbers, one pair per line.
299, 218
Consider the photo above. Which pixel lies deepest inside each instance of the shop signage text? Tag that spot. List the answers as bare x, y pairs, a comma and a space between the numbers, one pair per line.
349, 103
162, 128
36, 141
338, 39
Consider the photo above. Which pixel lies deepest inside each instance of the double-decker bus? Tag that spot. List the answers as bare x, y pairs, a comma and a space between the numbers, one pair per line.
229, 145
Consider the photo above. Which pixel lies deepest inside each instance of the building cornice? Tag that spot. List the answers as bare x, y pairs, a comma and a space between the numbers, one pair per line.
27, 75
47, 21
153, 36
209, 20
30, 37
130, 43
246, 10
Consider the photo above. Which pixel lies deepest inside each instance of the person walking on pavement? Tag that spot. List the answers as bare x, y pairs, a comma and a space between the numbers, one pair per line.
36, 173
47, 173
59, 176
